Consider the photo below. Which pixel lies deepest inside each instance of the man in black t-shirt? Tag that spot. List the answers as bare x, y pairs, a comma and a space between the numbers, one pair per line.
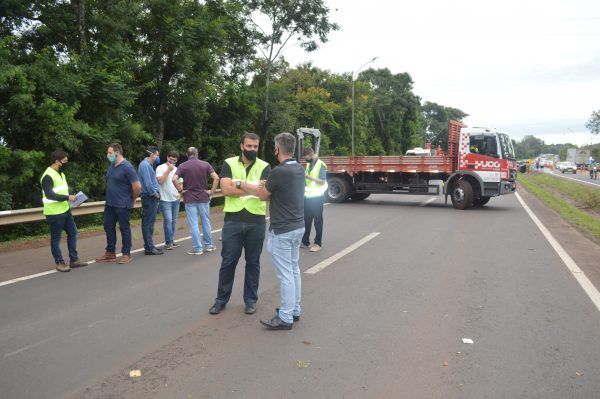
285, 190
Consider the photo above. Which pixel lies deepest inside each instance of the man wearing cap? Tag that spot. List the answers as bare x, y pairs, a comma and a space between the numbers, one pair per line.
196, 195
150, 198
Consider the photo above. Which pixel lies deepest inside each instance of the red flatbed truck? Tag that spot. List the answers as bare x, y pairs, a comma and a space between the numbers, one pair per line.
479, 164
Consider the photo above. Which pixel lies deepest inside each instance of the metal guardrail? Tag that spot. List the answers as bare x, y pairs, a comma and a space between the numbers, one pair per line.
37, 214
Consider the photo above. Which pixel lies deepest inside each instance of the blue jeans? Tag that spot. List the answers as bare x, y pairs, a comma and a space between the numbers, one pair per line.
149, 210
58, 223
237, 236
170, 211
285, 252
112, 215
192, 210
313, 210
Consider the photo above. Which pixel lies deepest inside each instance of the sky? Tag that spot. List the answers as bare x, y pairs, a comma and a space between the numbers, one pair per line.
523, 67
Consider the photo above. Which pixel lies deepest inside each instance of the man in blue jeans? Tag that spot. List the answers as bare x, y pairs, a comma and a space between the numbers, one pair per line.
245, 222
122, 188
150, 197
285, 190
169, 198
195, 174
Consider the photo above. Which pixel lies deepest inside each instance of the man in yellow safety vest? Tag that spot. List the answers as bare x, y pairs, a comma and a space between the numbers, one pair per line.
55, 194
314, 198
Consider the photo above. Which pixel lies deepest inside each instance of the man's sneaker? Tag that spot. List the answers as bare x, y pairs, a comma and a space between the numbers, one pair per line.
210, 248
62, 267
304, 246
77, 263
315, 248
175, 245
168, 247
195, 252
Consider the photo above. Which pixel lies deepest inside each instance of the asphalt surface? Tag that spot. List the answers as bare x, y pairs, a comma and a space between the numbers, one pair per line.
580, 177
385, 321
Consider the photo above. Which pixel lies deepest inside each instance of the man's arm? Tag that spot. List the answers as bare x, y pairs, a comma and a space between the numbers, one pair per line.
259, 190
176, 183
137, 188
215, 184
48, 187
165, 174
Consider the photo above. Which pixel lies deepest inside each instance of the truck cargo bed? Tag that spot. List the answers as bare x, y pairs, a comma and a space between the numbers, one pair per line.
388, 164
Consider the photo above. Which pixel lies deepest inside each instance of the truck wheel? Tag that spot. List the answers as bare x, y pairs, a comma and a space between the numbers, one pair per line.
338, 190
462, 195
481, 201
359, 196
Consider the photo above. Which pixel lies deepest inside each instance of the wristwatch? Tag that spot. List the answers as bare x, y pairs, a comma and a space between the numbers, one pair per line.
238, 184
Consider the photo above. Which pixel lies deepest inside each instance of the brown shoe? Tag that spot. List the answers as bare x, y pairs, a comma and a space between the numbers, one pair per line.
77, 263
61, 267
125, 259
107, 257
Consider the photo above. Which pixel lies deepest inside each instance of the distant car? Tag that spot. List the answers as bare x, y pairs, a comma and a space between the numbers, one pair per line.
568, 167
418, 151
559, 165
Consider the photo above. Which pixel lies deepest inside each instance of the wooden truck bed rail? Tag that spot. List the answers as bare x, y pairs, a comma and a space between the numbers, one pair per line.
388, 164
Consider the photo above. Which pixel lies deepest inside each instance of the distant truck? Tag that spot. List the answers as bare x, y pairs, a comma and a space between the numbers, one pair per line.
479, 164
578, 157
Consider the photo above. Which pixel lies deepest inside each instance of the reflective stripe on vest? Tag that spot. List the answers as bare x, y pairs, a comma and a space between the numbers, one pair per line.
314, 189
249, 202
52, 207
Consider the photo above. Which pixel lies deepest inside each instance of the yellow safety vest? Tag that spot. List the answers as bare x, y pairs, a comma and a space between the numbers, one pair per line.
59, 180
314, 189
251, 203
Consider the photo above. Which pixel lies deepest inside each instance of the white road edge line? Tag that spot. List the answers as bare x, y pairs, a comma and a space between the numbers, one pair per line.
322, 265
577, 273
577, 180
429, 201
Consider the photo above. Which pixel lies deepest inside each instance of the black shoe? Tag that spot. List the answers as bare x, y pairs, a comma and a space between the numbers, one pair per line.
276, 324
217, 308
154, 251
296, 318
250, 308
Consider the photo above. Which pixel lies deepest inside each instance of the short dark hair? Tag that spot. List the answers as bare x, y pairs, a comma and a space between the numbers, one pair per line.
58, 155
152, 149
286, 142
173, 154
308, 151
249, 135
116, 147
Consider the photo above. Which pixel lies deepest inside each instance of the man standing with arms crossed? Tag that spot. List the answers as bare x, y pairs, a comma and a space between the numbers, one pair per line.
196, 196
169, 198
122, 188
55, 194
285, 190
150, 197
245, 223
314, 198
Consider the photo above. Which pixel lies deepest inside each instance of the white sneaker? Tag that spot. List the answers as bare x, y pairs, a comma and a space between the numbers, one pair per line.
210, 248
195, 252
315, 248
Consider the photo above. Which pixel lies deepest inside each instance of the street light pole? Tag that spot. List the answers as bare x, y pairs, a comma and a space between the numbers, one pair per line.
354, 76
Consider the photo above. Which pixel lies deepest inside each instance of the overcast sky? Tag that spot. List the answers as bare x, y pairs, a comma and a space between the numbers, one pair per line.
523, 66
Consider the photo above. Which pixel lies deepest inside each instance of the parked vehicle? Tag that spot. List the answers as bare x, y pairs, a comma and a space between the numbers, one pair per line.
480, 164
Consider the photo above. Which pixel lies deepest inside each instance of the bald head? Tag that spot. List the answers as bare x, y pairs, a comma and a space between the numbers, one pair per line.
192, 152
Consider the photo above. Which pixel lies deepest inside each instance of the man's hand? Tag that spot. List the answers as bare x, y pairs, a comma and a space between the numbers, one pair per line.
261, 184
72, 197
170, 166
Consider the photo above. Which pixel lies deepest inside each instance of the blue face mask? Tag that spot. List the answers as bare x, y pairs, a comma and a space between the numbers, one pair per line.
112, 158
157, 161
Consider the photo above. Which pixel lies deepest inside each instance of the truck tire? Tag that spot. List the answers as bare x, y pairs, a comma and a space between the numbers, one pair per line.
338, 190
481, 201
359, 196
462, 194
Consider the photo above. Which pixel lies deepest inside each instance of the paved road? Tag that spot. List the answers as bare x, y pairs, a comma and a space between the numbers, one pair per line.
580, 177
386, 320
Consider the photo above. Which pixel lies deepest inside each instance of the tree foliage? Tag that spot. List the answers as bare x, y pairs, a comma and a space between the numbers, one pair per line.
594, 123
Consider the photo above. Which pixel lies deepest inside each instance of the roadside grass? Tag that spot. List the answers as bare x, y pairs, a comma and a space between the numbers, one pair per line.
585, 196
541, 186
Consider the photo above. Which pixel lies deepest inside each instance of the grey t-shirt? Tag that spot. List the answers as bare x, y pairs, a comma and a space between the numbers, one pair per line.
286, 206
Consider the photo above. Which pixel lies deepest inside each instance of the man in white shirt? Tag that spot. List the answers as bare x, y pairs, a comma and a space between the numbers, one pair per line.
169, 198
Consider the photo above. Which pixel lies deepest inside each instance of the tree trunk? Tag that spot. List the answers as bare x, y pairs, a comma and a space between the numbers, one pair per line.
265, 132
163, 97
79, 9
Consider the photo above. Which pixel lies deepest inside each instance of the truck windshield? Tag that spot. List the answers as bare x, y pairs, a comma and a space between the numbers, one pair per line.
484, 145
508, 151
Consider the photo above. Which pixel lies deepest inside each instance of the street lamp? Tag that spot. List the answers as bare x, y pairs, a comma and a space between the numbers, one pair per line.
354, 76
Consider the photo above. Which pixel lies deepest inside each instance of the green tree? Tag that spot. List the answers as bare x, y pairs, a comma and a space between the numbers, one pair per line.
434, 122
594, 123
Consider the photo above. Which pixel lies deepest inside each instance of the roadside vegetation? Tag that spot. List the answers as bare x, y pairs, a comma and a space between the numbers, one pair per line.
577, 204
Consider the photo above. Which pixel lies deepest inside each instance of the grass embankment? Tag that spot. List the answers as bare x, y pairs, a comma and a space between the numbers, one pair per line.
573, 201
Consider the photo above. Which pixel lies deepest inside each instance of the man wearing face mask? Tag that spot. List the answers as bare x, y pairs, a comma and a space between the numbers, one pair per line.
245, 222
55, 194
314, 198
169, 198
150, 198
122, 188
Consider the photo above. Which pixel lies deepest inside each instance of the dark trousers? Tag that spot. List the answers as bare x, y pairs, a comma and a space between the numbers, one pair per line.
112, 215
238, 236
57, 224
313, 210
149, 211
